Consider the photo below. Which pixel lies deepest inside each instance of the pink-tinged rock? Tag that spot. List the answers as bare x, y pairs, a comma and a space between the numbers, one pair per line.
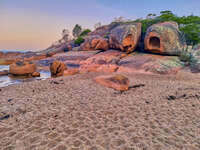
94, 42
70, 72
149, 64
102, 62
109, 68
117, 82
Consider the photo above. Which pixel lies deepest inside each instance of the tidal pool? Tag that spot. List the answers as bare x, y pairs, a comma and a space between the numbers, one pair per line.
10, 80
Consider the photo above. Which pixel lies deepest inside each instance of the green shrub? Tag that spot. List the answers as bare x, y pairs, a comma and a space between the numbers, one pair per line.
191, 32
77, 30
79, 40
187, 57
85, 32
189, 25
106, 36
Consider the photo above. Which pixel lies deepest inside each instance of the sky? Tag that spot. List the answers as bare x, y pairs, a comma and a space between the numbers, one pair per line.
36, 24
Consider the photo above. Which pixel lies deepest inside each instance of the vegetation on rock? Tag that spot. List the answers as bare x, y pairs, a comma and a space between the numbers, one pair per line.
85, 32
189, 25
79, 40
77, 30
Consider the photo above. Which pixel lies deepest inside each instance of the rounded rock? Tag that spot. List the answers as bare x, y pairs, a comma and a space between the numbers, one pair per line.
22, 68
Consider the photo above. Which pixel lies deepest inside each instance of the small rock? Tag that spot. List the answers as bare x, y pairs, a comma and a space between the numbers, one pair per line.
9, 100
117, 82
35, 74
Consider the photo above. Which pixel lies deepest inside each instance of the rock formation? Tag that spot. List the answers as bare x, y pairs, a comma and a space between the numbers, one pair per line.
22, 68
57, 48
95, 42
70, 72
150, 64
117, 82
125, 37
57, 68
164, 38
105, 30
102, 62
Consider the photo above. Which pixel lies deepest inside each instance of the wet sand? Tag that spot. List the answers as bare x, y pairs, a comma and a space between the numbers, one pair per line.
75, 113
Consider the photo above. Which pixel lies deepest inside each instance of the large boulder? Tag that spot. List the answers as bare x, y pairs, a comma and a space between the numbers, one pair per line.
164, 38
22, 68
95, 42
57, 68
125, 37
117, 82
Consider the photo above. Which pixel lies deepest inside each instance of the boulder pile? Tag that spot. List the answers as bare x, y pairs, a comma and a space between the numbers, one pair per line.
117, 40
124, 37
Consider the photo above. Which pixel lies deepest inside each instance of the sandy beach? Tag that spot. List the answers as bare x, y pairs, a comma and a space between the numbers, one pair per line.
75, 113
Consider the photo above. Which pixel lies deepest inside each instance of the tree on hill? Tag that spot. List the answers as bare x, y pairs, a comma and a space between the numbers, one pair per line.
77, 31
189, 25
65, 34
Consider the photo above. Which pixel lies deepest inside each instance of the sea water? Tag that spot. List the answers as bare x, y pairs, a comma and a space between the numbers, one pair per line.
10, 80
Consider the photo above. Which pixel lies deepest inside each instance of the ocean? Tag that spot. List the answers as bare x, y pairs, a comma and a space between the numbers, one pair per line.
10, 80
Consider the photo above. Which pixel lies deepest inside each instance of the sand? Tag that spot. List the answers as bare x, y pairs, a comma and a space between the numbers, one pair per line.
75, 113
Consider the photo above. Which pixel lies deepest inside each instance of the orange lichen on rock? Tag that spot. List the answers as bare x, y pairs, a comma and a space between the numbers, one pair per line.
102, 62
35, 74
57, 68
125, 37
117, 82
95, 43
